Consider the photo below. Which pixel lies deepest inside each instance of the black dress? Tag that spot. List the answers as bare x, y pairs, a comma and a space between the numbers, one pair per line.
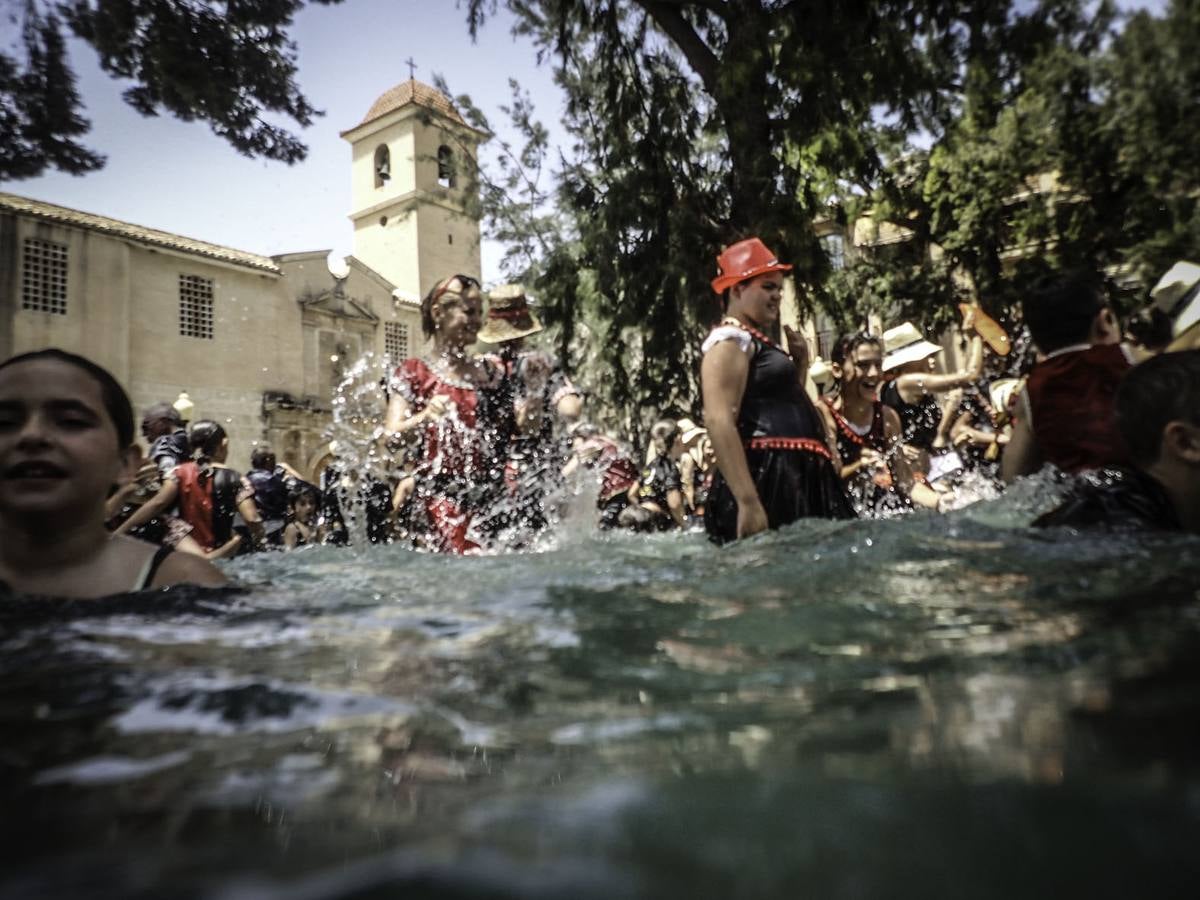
784, 440
918, 421
871, 491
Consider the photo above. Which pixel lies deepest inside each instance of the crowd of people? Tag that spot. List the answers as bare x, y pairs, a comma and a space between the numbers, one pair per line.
488, 447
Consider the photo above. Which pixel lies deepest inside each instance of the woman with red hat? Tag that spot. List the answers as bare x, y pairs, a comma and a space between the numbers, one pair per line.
776, 452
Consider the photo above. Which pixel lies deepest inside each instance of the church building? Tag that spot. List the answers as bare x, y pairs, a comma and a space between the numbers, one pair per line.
257, 343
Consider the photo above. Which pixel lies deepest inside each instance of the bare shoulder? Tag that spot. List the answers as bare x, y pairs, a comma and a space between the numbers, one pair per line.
825, 413
186, 568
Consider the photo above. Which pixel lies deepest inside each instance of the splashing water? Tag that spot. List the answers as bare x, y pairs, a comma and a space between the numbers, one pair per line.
356, 434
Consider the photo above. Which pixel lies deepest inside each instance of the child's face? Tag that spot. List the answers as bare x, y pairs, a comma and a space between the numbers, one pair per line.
305, 508
58, 446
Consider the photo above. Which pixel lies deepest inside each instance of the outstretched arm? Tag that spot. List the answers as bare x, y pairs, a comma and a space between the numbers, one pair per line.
159, 503
915, 385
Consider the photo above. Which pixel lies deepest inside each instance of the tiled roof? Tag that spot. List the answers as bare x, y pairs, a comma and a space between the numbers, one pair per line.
411, 91
66, 216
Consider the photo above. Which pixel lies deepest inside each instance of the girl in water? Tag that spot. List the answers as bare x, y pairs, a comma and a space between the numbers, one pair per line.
776, 453
66, 440
302, 528
441, 406
876, 474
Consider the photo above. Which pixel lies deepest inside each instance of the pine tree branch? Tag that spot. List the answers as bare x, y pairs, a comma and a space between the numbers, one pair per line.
698, 54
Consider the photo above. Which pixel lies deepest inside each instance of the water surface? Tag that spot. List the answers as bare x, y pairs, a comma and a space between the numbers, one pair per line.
947, 706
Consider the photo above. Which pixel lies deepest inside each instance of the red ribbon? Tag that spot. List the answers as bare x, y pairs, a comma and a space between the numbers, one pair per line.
508, 313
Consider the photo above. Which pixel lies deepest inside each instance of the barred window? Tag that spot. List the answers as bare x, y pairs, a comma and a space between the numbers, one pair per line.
835, 250
395, 341
44, 277
195, 306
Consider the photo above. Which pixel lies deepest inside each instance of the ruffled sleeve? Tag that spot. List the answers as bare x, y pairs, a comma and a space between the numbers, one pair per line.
727, 333
413, 380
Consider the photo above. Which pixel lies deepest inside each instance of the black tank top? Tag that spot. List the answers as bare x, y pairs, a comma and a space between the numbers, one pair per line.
918, 421
850, 443
774, 403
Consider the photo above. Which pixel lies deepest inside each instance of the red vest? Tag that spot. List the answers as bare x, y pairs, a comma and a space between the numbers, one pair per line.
195, 503
1072, 401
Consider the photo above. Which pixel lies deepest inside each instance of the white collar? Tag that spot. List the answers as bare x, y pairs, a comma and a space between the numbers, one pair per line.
1063, 351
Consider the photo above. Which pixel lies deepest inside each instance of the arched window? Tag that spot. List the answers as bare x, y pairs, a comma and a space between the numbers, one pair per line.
445, 166
383, 165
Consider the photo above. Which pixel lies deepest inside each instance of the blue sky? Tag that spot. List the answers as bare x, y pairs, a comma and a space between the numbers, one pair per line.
179, 177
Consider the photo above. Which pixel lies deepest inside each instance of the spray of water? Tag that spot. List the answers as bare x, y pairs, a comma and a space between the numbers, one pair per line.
362, 472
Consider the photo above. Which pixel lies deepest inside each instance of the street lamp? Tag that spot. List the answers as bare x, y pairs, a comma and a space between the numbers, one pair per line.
184, 406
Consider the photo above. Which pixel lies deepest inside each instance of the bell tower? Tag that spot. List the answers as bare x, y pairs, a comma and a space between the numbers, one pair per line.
413, 164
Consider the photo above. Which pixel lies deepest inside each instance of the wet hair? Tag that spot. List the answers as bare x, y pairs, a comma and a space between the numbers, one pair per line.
262, 458
664, 430
1151, 328
1060, 310
303, 489
1161, 390
162, 411
116, 401
848, 343
429, 301
205, 439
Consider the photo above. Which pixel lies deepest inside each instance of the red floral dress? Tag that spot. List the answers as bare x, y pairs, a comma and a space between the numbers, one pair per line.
453, 458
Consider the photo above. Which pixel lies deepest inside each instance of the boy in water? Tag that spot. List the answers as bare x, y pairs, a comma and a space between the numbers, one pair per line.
1065, 414
1158, 413
66, 438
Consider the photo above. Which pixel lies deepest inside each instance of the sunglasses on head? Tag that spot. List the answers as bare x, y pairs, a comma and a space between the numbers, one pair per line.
466, 281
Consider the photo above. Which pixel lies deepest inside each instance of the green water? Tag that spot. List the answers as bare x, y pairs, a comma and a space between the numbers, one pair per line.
930, 707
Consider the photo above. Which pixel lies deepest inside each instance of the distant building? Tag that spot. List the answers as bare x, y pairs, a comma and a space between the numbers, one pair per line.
257, 342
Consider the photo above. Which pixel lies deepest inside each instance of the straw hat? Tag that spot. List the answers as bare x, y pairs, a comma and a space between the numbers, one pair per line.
1176, 295
508, 316
1000, 392
744, 260
689, 431
821, 373
905, 344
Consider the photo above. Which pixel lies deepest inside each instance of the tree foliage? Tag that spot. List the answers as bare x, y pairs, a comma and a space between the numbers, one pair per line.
1000, 140
699, 123
229, 63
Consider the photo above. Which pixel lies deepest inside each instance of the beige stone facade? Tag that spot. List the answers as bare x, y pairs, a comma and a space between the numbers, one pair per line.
413, 160
258, 343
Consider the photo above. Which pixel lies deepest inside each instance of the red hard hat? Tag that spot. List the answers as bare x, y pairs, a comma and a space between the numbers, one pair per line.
743, 260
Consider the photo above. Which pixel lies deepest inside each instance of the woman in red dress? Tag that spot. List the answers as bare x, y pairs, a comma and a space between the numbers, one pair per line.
439, 406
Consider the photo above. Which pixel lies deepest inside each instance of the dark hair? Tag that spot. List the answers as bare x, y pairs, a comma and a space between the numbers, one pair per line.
848, 343
262, 458
1151, 328
664, 430
303, 489
162, 411
116, 401
1163, 389
205, 438
1061, 309
428, 326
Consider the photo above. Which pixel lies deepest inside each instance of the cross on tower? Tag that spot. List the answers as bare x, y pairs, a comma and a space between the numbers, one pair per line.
412, 68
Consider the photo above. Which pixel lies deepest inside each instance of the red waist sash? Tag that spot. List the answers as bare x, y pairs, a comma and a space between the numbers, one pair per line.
809, 445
